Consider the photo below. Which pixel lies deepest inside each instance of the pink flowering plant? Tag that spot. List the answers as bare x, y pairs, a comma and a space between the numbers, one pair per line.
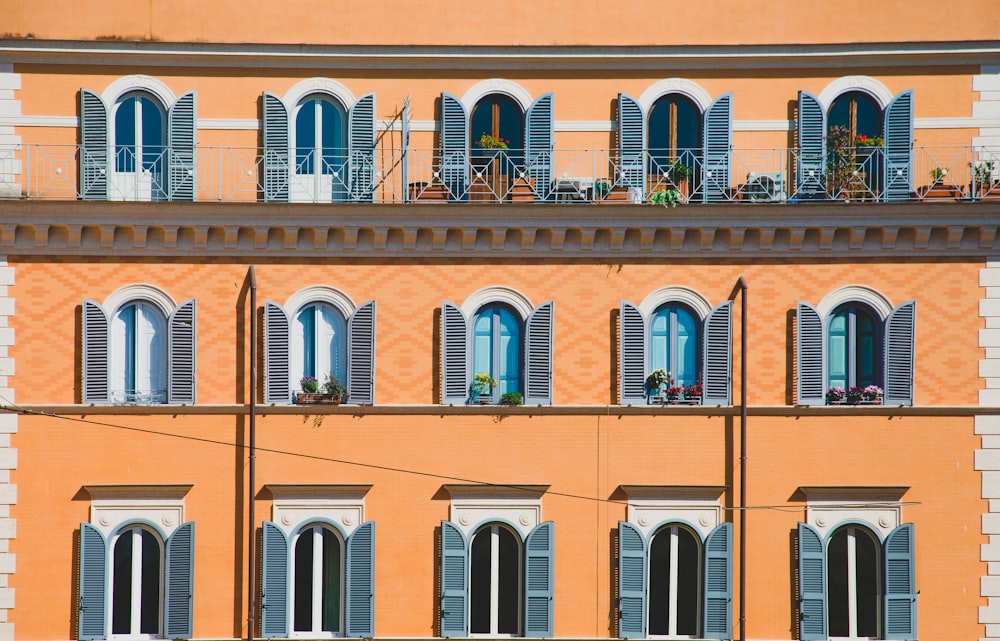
836, 395
872, 393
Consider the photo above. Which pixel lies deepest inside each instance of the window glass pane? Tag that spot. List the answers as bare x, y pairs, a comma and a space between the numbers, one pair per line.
659, 583
673, 131
509, 357
509, 592
865, 356
305, 137
836, 355
856, 111
688, 582
152, 134
867, 559
125, 135
149, 615
687, 348
482, 343
303, 581
659, 341
150, 351
304, 335
836, 586
331, 337
331, 581
479, 582
332, 131
121, 585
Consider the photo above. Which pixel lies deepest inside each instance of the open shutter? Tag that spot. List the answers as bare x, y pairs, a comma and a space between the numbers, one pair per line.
718, 355
632, 355
179, 583
718, 141
454, 356
631, 582
454, 146
94, 146
538, 356
719, 583
361, 124
276, 155
631, 143
539, 136
183, 332
810, 161
93, 589
812, 585
900, 584
277, 387
274, 583
361, 355
454, 577
898, 131
182, 142
810, 350
899, 346
405, 146
95, 353
360, 605
539, 561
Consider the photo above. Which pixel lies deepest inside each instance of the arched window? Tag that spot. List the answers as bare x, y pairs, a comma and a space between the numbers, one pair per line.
318, 571
853, 579
674, 582
853, 353
319, 343
495, 582
497, 115
136, 579
139, 141
138, 353
497, 347
674, 343
320, 135
674, 137
858, 113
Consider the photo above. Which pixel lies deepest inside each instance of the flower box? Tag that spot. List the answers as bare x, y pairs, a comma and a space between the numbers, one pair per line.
317, 398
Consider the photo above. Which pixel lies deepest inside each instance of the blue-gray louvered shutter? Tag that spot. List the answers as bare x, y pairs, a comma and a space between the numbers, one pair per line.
899, 347
539, 137
810, 350
454, 146
538, 355
718, 355
631, 582
182, 143
454, 356
718, 141
93, 587
277, 386
900, 584
94, 146
898, 131
810, 162
361, 355
95, 353
405, 146
360, 598
276, 155
454, 582
361, 137
183, 363
719, 583
631, 143
812, 585
178, 591
632, 359
274, 582
539, 589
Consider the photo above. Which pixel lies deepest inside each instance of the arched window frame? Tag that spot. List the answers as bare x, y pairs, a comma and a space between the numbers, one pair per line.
134, 604
317, 580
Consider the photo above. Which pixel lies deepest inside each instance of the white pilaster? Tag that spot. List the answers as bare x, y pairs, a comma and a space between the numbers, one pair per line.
987, 459
10, 144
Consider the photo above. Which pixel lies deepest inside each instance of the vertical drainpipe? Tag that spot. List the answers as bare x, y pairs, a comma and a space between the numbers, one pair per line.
742, 284
251, 543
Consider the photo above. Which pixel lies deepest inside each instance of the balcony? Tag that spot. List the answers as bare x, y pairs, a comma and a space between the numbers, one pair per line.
570, 177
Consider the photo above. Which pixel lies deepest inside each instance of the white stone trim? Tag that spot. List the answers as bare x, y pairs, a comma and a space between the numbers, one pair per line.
869, 85
112, 506
650, 507
134, 291
679, 294
320, 293
482, 89
987, 459
879, 508
138, 82
474, 505
8, 454
294, 505
691, 89
10, 107
309, 86
848, 293
494, 294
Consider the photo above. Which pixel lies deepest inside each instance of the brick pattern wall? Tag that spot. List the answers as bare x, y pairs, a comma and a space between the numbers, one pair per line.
988, 458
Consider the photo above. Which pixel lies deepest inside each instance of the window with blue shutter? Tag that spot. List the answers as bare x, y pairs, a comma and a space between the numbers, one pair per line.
898, 128
810, 160
718, 621
361, 355
539, 137
631, 582
631, 143
179, 583
539, 562
538, 355
812, 585
899, 354
182, 142
93, 587
455, 378
95, 353
718, 140
277, 332
811, 355
360, 579
274, 582
182, 368
361, 137
496, 339
717, 353
454, 582
276, 152
454, 146
633, 355
900, 584
94, 146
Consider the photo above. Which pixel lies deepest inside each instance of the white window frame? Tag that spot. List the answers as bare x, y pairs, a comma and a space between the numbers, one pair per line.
134, 530
316, 631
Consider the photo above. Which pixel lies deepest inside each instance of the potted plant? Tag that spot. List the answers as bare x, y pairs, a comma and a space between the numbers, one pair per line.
656, 384
938, 174
679, 176
666, 197
309, 384
872, 394
334, 389
853, 395
835, 395
982, 176
512, 398
941, 186
482, 388
693, 392
601, 189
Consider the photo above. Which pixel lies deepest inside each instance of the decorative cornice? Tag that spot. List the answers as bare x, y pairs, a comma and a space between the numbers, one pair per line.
258, 231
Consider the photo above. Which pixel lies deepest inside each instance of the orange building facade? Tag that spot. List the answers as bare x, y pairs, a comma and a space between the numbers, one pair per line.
767, 410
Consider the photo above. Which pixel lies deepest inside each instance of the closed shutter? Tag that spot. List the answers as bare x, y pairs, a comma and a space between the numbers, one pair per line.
631, 582
631, 143
182, 143
538, 580
361, 355
810, 163
899, 348
719, 583
361, 136
93, 588
812, 585
718, 355
632, 355
94, 147
538, 356
900, 584
276, 155
179, 583
539, 136
274, 583
718, 141
277, 387
811, 355
454, 578
454, 146
454, 356
898, 130
94, 353
183, 333
360, 605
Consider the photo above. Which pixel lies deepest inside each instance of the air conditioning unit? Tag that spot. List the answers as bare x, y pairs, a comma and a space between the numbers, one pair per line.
762, 187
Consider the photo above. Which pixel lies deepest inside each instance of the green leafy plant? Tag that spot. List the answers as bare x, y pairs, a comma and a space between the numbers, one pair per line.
491, 141
665, 197
601, 189
512, 398
938, 173
678, 171
333, 387
982, 171
309, 384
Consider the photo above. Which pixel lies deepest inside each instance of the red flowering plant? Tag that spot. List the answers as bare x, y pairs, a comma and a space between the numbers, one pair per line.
693, 390
869, 141
491, 141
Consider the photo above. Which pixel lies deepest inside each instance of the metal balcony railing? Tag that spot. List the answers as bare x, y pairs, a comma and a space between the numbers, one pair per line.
588, 176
